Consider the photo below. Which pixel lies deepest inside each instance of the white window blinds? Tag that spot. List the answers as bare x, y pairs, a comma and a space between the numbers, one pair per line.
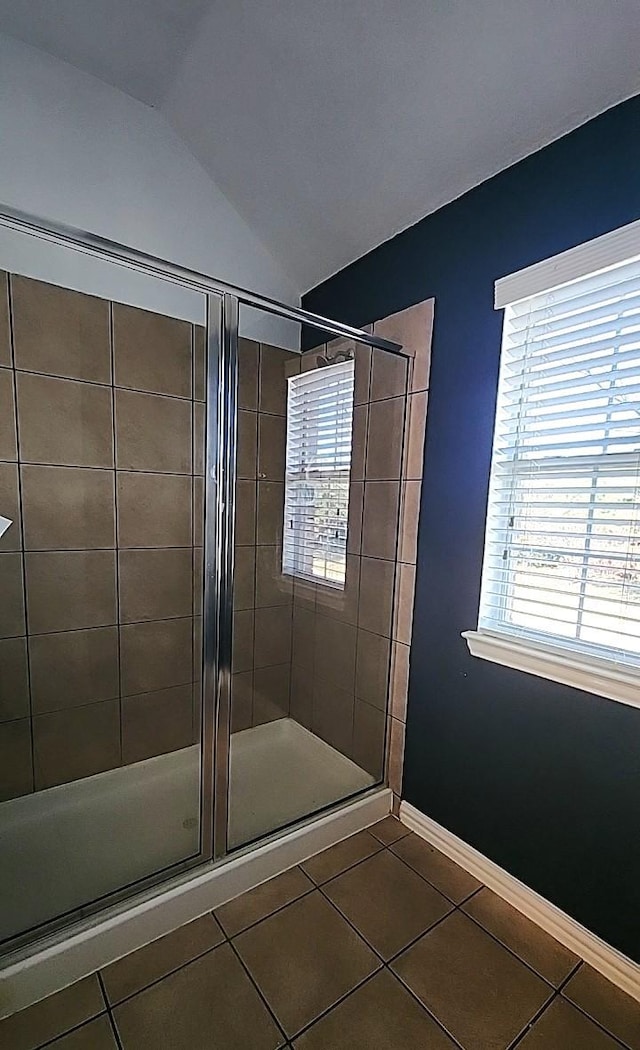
562, 552
316, 506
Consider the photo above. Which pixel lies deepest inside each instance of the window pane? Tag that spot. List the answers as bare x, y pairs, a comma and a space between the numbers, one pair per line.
319, 426
562, 553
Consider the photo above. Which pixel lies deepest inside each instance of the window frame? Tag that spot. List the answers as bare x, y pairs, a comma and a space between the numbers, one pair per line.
539, 653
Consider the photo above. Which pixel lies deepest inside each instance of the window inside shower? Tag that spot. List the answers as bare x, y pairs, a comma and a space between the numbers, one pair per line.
318, 466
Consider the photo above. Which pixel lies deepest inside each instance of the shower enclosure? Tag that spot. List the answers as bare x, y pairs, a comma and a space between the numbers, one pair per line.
197, 582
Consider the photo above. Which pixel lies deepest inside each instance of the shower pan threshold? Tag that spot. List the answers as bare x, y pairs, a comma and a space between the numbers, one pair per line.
281, 772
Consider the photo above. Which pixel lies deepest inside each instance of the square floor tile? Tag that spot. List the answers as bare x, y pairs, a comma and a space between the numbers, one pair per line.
96, 1035
387, 902
444, 874
209, 1003
542, 952
257, 904
610, 1006
389, 830
343, 855
380, 1015
304, 958
52, 1016
481, 994
564, 1027
139, 969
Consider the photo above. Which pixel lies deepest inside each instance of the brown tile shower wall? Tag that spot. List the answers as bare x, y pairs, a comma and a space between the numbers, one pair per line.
262, 595
342, 638
101, 463
351, 648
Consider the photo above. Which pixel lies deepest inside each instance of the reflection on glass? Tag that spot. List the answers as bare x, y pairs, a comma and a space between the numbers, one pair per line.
317, 503
101, 577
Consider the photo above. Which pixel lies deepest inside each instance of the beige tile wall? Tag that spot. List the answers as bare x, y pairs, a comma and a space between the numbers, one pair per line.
342, 639
263, 600
351, 649
101, 437
101, 468
413, 328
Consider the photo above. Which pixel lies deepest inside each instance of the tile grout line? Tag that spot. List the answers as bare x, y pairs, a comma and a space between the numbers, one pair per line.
196, 723
556, 992
104, 386
104, 1012
22, 551
580, 1009
429, 929
169, 973
259, 991
386, 964
114, 1029
116, 522
543, 1009
476, 922
68, 1031
112, 1020
360, 984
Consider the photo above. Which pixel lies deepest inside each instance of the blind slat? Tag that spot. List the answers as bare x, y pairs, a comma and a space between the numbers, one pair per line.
318, 463
562, 550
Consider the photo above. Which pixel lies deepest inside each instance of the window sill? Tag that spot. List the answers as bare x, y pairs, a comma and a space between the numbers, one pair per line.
599, 677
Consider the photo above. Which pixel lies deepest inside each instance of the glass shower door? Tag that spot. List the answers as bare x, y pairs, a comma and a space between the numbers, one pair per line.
102, 461
317, 503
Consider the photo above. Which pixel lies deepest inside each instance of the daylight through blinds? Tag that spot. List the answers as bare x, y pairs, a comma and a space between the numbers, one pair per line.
319, 425
562, 553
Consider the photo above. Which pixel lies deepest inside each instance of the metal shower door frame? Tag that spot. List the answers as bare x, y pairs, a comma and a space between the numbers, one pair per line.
219, 528
223, 302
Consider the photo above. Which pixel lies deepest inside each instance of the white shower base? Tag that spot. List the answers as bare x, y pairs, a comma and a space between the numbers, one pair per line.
280, 772
65, 847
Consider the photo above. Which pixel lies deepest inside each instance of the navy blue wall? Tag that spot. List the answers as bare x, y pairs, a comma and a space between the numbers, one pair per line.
543, 779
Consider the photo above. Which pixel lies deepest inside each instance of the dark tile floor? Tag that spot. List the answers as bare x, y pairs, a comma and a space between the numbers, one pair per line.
379, 943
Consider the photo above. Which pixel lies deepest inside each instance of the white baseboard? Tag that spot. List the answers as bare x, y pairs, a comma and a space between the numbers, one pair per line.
611, 963
53, 965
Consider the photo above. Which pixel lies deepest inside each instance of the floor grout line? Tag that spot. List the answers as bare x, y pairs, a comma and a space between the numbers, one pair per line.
533, 1021
260, 992
311, 1024
68, 1031
382, 964
151, 984
114, 1029
386, 964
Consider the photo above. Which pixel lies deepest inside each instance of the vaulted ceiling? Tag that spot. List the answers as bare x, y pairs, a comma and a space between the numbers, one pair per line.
330, 125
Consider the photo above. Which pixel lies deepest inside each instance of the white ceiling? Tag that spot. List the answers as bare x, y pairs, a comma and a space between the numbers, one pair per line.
332, 124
